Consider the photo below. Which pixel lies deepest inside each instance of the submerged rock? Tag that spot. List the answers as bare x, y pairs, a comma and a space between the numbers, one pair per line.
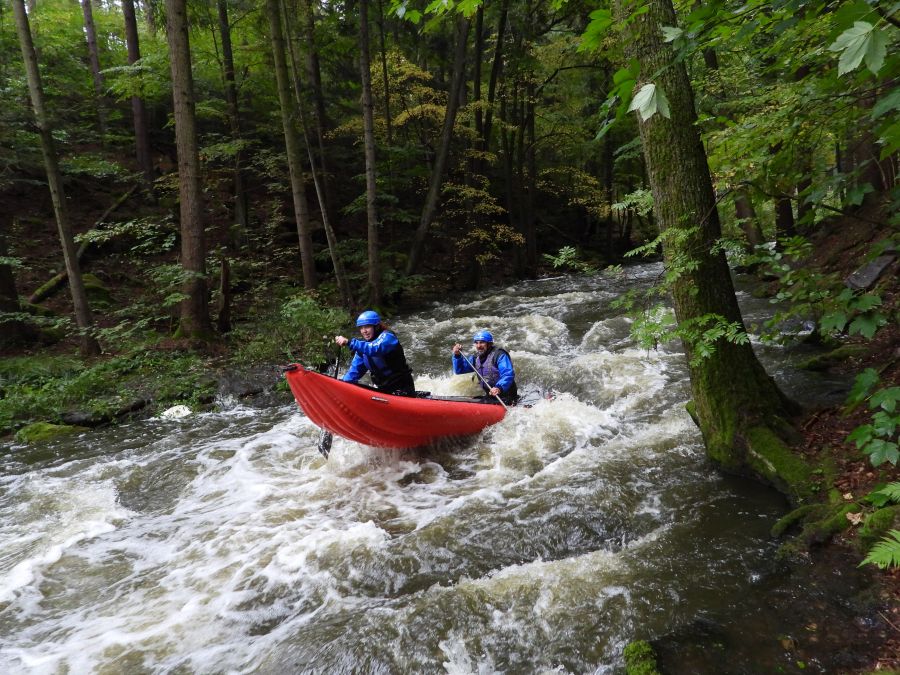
42, 431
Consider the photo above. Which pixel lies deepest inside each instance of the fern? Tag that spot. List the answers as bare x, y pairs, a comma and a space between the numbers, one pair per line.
886, 553
883, 495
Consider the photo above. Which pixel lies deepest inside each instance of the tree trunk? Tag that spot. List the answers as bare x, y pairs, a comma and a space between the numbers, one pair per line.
496, 68
385, 79
530, 184
292, 146
365, 73
13, 331
746, 215
83, 319
240, 215
784, 218
90, 33
195, 322
440, 163
340, 274
314, 73
737, 406
138, 109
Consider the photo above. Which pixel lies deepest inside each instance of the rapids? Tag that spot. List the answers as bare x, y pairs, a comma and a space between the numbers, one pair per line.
223, 542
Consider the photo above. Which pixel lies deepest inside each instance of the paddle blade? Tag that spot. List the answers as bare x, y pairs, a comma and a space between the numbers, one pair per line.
325, 443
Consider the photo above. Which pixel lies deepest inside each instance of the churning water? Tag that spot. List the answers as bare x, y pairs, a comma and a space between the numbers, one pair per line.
224, 543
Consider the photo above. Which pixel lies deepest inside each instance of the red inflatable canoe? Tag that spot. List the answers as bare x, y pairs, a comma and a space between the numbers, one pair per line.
382, 420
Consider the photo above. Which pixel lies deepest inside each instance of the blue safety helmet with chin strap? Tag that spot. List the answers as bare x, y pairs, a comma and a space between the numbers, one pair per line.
483, 336
368, 318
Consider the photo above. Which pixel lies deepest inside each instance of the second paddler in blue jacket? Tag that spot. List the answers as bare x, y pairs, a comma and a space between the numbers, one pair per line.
492, 363
380, 354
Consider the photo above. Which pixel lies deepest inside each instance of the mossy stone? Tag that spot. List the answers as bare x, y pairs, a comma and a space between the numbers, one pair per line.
640, 659
832, 358
877, 525
96, 290
42, 431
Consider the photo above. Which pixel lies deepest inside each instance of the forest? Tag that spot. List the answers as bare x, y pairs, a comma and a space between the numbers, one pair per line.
192, 186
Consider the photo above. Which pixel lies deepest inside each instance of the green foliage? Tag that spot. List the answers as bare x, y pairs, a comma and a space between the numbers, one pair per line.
886, 553
877, 438
297, 328
568, 258
804, 294
884, 495
640, 658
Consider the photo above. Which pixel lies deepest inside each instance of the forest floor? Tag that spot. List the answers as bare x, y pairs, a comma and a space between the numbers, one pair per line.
841, 248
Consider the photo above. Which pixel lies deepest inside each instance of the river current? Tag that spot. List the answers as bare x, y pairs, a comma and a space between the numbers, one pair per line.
224, 543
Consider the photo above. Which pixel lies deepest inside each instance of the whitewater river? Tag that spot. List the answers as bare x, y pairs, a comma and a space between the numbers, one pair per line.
224, 543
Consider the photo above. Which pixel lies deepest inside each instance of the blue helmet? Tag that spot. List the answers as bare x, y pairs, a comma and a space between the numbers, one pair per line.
368, 318
483, 336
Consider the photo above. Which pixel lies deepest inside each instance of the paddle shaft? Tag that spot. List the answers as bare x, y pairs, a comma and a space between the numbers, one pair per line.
325, 438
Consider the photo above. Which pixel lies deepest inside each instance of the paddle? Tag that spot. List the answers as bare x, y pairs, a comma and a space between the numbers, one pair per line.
472, 362
325, 438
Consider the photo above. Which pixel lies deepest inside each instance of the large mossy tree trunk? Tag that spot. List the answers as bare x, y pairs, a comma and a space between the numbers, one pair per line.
195, 322
83, 318
739, 409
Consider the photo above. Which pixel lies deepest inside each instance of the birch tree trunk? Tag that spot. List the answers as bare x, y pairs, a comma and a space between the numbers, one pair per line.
738, 407
195, 323
292, 146
365, 74
440, 162
83, 319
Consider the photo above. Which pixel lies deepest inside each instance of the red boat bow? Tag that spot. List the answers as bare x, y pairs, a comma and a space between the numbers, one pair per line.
368, 416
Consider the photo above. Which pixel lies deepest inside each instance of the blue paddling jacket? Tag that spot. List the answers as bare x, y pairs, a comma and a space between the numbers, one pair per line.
384, 360
495, 367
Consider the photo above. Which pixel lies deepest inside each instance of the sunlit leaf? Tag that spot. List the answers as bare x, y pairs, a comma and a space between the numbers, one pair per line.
671, 33
862, 41
648, 101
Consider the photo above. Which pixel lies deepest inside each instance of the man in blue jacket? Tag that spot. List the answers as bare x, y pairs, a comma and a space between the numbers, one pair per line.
497, 377
380, 354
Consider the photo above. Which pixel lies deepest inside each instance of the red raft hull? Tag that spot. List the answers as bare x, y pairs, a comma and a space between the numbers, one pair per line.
382, 420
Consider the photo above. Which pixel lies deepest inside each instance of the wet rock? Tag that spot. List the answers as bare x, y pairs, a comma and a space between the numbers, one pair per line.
84, 418
42, 431
868, 274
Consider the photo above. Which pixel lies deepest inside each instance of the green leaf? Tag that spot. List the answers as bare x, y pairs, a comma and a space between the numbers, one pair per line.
886, 553
853, 44
886, 104
863, 385
886, 399
867, 325
648, 101
866, 302
671, 33
861, 435
600, 21
888, 493
876, 50
833, 322
881, 451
